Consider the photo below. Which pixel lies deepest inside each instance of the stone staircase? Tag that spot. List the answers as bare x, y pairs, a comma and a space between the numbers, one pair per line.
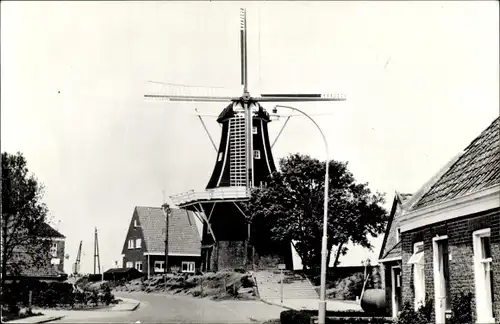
294, 286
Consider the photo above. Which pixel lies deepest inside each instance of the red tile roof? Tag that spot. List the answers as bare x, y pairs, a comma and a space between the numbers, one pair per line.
477, 168
183, 236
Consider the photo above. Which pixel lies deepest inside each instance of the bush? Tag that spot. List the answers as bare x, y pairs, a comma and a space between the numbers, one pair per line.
94, 297
107, 297
295, 317
409, 315
462, 309
349, 288
303, 317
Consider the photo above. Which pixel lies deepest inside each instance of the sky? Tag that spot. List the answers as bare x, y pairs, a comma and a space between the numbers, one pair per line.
421, 81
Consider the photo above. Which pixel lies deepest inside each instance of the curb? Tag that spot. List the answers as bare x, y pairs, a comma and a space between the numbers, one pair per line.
135, 307
276, 304
50, 319
129, 309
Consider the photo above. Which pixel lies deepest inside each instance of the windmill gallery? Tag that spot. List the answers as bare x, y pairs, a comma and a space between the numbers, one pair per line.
244, 160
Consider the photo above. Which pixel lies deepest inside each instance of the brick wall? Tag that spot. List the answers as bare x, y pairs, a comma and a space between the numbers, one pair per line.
230, 255
459, 232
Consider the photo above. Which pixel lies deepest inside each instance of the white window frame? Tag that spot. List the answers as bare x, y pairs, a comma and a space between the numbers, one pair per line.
53, 249
138, 264
219, 157
159, 266
254, 130
256, 154
138, 243
130, 244
191, 267
135, 223
129, 264
398, 234
419, 275
439, 308
482, 278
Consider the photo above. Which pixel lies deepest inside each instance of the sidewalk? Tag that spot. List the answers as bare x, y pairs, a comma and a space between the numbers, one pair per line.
313, 304
50, 315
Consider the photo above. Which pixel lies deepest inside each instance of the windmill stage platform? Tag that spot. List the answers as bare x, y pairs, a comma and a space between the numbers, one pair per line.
214, 195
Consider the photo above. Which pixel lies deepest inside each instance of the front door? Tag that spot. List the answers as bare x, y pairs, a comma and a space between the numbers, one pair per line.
396, 290
441, 279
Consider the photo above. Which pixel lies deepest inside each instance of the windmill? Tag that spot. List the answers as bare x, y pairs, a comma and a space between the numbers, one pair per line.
244, 161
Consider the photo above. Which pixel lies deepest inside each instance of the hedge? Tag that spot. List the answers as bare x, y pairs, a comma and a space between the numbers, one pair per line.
51, 294
332, 317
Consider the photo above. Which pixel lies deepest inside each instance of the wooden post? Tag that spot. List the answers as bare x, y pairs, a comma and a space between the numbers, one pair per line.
281, 286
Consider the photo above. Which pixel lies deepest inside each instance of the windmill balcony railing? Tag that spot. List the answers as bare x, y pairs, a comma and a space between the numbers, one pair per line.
216, 194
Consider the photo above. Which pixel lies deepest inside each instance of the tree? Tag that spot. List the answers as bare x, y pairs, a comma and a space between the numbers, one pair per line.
24, 217
290, 208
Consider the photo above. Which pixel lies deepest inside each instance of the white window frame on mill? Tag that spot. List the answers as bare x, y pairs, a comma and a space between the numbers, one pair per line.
138, 243
190, 266
129, 264
135, 223
53, 249
159, 266
254, 130
482, 277
418, 262
219, 157
130, 244
138, 265
256, 154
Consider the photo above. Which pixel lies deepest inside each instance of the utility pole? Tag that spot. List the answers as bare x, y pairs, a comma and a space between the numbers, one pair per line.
166, 211
96, 253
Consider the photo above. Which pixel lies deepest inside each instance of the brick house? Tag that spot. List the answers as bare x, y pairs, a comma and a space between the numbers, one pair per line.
390, 256
51, 269
144, 246
450, 233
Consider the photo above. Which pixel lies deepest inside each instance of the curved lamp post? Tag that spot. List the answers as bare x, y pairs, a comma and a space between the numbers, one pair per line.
322, 297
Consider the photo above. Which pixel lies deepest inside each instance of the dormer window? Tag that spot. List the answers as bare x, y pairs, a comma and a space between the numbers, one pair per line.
135, 223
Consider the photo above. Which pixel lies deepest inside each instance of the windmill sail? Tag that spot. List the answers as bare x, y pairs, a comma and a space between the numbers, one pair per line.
243, 49
244, 160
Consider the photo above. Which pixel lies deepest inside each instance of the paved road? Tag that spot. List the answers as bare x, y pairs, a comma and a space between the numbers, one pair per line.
159, 308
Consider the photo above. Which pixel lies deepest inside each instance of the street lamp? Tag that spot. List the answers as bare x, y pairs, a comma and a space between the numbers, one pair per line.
166, 211
322, 295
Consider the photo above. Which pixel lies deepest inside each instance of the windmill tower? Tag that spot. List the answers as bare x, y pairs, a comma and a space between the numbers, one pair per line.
244, 161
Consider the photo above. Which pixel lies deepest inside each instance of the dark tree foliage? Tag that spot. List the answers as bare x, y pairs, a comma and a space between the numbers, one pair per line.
290, 208
24, 218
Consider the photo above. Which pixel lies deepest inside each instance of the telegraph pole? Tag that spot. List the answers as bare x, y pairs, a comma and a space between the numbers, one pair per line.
166, 211
96, 253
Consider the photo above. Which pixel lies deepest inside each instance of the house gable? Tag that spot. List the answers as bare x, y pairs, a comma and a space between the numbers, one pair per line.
390, 236
134, 232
